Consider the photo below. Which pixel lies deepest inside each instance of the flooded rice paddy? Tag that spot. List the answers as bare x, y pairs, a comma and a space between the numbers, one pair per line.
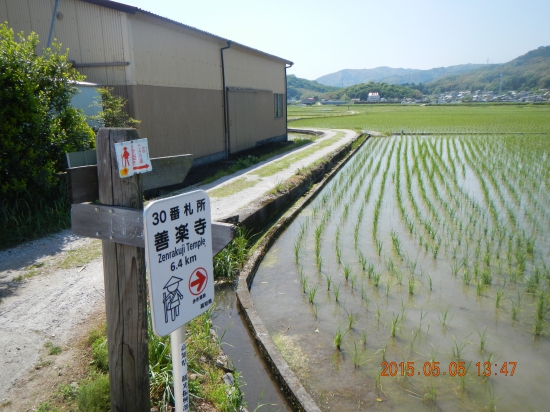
418, 278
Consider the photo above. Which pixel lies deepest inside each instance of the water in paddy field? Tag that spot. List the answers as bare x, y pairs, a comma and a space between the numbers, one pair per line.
421, 250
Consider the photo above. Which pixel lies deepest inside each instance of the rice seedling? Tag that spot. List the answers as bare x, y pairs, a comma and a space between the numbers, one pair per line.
376, 279
396, 243
466, 277
303, 281
398, 276
351, 320
431, 394
377, 313
336, 292
362, 261
530, 284
388, 289
394, 323
515, 309
338, 254
403, 312
319, 262
411, 285
458, 349
444, 317
353, 280
455, 267
430, 282
347, 271
356, 356
297, 247
338, 338
311, 294
486, 277
498, 297
482, 339
379, 245
492, 400
370, 270
329, 281
479, 288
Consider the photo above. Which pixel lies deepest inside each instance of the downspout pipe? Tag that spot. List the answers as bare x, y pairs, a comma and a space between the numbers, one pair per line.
287, 66
225, 111
52, 25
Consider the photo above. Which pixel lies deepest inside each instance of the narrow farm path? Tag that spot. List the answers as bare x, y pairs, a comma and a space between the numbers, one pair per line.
51, 289
231, 193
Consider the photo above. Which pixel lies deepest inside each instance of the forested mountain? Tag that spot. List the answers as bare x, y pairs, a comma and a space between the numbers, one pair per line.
350, 77
301, 88
528, 72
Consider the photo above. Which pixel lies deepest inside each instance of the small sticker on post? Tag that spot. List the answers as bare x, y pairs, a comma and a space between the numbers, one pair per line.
133, 157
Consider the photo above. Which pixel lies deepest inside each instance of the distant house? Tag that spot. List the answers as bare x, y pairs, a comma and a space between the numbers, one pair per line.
373, 97
309, 101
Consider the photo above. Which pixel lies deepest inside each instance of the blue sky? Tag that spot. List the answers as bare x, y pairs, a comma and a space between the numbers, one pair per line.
322, 37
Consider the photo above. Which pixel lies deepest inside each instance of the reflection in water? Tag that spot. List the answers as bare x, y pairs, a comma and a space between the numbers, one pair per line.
429, 254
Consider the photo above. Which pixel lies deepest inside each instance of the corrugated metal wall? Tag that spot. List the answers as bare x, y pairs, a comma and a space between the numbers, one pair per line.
249, 70
91, 33
173, 56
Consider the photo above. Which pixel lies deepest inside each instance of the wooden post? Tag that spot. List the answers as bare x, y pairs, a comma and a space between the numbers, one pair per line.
125, 285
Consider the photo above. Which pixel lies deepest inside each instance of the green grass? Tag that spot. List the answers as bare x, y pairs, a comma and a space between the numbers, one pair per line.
232, 188
28, 217
229, 261
525, 118
81, 256
290, 160
244, 162
53, 349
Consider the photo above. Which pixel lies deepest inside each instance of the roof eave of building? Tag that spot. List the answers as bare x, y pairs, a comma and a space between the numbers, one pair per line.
126, 8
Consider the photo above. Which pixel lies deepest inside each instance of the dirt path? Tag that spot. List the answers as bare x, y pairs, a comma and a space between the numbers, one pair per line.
48, 295
42, 302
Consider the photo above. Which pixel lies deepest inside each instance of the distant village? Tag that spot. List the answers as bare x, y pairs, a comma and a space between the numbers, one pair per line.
453, 97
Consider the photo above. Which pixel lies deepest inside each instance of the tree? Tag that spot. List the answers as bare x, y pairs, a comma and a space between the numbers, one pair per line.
113, 113
37, 123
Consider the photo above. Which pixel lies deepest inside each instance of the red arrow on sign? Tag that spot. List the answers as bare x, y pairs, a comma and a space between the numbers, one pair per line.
141, 167
197, 280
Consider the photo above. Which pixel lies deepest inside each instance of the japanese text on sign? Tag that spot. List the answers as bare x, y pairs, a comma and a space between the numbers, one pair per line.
179, 258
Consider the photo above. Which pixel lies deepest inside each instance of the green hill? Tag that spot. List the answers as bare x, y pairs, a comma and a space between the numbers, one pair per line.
528, 72
389, 75
301, 88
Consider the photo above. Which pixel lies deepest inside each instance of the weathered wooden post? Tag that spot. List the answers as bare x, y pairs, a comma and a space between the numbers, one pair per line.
118, 220
125, 284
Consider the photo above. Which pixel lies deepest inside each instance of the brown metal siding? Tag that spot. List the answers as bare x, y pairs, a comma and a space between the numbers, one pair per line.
178, 121
251, 119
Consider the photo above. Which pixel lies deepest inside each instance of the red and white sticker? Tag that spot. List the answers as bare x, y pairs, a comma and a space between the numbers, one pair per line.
133, 157
198, 281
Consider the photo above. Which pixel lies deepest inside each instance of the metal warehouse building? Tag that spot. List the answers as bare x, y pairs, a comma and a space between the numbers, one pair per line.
194, 92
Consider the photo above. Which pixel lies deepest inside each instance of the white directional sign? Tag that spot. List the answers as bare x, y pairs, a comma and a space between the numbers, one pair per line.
133, 157
178, 245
